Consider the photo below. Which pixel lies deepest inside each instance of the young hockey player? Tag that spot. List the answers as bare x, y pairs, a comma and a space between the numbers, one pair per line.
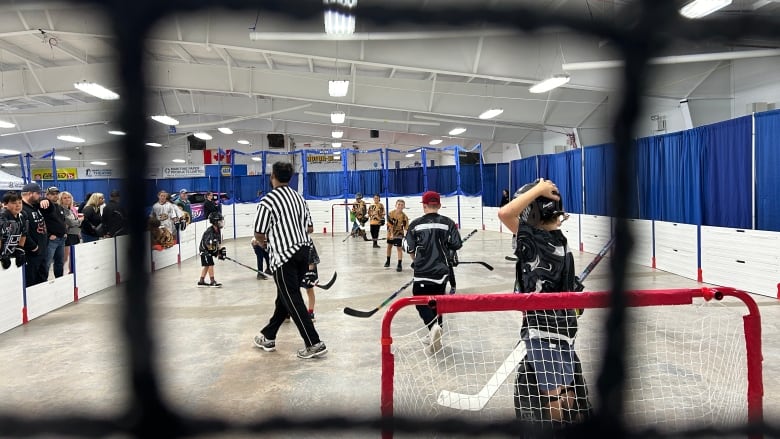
210, 246
360, 213
397, 225
12, 231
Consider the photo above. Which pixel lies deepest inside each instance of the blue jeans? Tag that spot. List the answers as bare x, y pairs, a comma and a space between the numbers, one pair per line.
56, 253
262, 255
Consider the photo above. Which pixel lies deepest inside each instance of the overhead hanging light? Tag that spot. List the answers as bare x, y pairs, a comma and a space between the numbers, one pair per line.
243, 142
456, 131
179, 161
165, 120
61, 157
434, 142
491, 113
335, 153
225, 130
411, 154
550, 83
256, 159
8, 165
9, 152
72, 139
337, 134
701, 8
4, 124
117, 133
96, 90
98, 163
338, 117
203, 135
154, 144
336, 144
338, 88
337, 22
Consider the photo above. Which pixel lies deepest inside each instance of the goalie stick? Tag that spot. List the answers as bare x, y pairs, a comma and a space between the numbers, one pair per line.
365, 314
325, 286
462, 401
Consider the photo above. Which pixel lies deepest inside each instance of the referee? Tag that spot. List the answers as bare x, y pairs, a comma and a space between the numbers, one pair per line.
281, 228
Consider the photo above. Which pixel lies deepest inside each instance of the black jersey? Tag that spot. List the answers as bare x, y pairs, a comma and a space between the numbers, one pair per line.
210, 241
431, 238
11, 231
37, 235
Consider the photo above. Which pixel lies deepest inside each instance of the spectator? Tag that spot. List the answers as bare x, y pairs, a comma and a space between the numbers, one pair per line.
504, 197
208, 205
35, 246
114, 216
166, 212
184, 202
12, 230
84, 203
92, 224
72, 224
54, 216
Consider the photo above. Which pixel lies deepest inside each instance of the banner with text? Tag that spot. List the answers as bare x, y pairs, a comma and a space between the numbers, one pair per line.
99, 172
62, 174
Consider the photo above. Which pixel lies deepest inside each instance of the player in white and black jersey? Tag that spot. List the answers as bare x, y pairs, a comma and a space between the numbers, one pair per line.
12, 231
281, 227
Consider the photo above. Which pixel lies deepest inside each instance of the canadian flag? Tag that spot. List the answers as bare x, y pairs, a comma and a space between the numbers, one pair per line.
214, 156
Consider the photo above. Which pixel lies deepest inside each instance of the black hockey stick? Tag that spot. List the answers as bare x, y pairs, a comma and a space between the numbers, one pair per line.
484, 264
511, 258
247, 266
586, 272
324, 286
328, 284
365, 314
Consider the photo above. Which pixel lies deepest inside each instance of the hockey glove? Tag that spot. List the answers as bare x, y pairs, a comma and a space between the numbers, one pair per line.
222, 253
5, 262
309, 279
20, 257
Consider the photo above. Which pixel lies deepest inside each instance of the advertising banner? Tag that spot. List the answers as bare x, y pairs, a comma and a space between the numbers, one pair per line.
62, 174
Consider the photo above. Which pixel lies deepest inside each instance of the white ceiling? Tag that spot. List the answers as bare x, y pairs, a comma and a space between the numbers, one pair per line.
411, 84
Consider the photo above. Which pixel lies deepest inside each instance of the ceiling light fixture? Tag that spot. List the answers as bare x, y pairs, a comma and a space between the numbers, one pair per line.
701, 8
456, 131
335, 153
61, 157
337, 134
9, 152
165, 120
154, 144
338, 88
338, 117
96, 90
550, 83
179, 161
4, 124
203, 135
72, 139
434, 142
256, 159
337, 22
409, 155
117, 133
243, 142
225, 130
8, 165
98, 163
336, 144
491, 113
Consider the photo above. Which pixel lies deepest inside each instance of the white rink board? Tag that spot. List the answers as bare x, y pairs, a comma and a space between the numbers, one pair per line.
642, 231
595, 232
244, 221
571, 229
676, 249
48, 296
95, 266
744, 259
470, 213
321, 215
490, 218
188, 240
165, 258
11, 297
338, 215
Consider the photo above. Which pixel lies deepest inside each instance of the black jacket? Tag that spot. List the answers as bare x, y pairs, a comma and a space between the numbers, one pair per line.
54, 216
91, 221
37, 235
114, 217
208, 207
431, 238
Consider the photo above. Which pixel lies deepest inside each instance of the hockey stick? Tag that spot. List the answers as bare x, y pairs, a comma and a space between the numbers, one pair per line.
328, 284
247, 266
484, 264
324, 286
595, 261
462, 401
511, 258
365, 314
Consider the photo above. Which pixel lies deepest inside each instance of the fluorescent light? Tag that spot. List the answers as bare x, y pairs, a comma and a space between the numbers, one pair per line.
701, 8
491, 113
336, 153
8, 165
337, 134
338, 89
225, 130
243, 142
165, 120
409, 155
257, 159
72, 139
338, 117
61, 157
434, 142
155, 144
97, 163
550, 83
338, 23
117, 133
336, 144
179, 161
4, 124
457, 131
96, 90
203, 136
9, 152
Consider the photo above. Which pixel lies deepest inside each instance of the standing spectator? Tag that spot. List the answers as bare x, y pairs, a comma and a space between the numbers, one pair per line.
396, 230
54, 215
35, 246
92, 224
208, 205
72, 224
376, 217
261, 254
184, 202
166, 212
114, 216
12, 230
358, 213
504, 197
280, 226
84, 203
429, 240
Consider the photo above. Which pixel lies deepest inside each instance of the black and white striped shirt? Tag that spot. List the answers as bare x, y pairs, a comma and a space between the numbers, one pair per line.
282, 216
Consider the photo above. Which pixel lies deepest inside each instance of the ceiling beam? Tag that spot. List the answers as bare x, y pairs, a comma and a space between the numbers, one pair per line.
67, 50
21, 18
703, 78
25, 55
478, 55
182, 53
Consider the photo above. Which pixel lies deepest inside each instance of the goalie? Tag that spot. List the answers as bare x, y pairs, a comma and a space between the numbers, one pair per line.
549, 387
359, 216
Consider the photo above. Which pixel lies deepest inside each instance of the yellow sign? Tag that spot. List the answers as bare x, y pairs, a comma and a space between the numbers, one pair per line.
323, 158
62, 174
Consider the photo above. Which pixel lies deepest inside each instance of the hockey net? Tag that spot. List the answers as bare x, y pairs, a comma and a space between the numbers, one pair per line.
690, 362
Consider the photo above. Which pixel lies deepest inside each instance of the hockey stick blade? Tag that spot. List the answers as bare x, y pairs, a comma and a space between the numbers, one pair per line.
365, 314
476, 402
511, 258
484, 264
327, 285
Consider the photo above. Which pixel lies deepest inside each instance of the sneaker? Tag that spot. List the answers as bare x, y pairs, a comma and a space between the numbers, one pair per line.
264, 343
398, 267
215, 284
435, 334
311, 315
387, 264
202, 284
313, 351
260, 276
268, 271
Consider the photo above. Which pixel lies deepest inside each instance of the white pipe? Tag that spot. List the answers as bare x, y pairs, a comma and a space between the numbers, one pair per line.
376, 36
676, 59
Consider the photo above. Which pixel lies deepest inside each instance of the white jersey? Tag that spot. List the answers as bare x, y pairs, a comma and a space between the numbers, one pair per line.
166, 213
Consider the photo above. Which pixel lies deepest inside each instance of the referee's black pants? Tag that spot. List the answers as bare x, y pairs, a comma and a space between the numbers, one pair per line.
289, 301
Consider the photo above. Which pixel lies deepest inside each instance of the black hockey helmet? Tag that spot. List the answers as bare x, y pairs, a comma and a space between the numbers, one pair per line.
541, 210
216, 218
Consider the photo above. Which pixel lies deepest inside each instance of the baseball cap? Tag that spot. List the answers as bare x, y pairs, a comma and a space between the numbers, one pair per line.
358, 195
431, 197
53, 190
31, 187
183, 191
114, 193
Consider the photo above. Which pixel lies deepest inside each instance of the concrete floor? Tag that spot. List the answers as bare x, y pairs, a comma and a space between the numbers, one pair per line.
72, 359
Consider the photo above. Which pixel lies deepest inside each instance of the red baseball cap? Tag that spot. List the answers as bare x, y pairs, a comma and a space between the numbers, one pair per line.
431, 197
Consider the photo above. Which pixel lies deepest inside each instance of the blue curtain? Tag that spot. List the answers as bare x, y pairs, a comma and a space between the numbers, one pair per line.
647, 204
768, 171
678, 181
470, 179
496, 180
523, 171
368, 182
565, 170
598, 181
444, 179
325, 185
405, 181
